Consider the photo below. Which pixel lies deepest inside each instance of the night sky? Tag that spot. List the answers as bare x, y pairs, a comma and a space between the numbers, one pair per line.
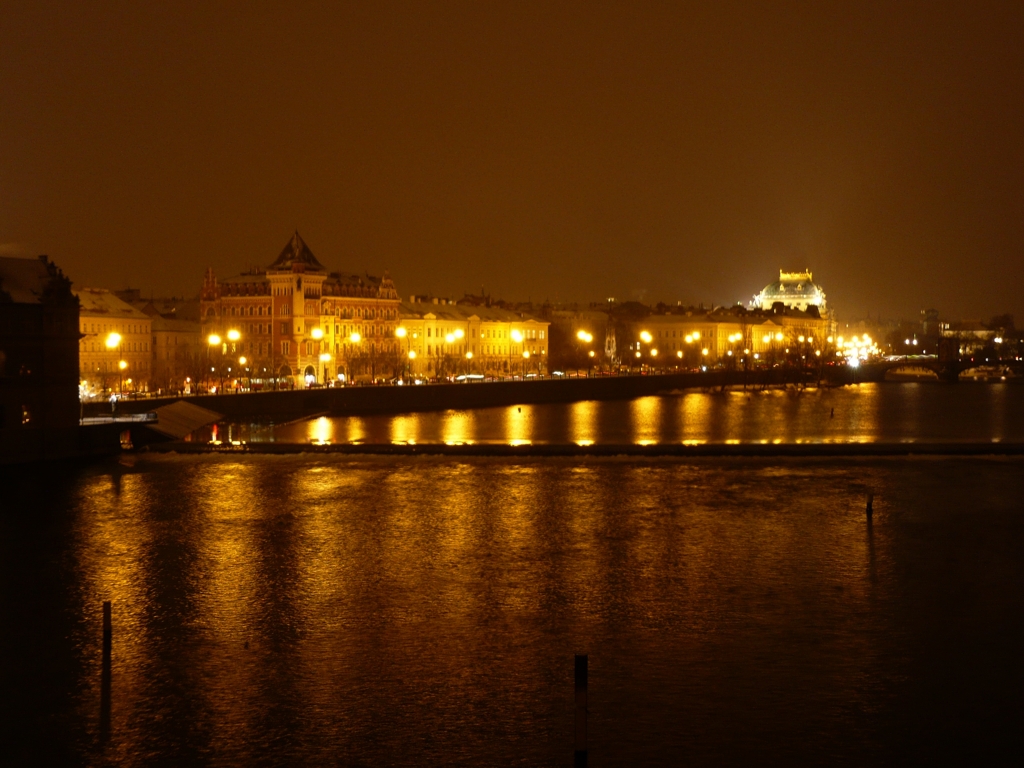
562, 151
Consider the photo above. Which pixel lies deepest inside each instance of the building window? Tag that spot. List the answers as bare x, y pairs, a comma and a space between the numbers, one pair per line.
285, 347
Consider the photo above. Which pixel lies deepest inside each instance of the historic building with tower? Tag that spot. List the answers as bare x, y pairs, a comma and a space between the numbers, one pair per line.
294, 323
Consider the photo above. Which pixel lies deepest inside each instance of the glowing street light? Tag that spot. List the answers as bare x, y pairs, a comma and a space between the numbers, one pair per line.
213, 340
401, 332
646, 337
234, 335
317, 334
113, 340
355, 338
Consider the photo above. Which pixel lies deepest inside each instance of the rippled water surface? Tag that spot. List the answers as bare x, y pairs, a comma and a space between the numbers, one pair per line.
301, 610
929, 412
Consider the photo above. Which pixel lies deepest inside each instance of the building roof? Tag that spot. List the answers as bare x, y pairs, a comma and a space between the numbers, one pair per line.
462, 312
296, 254
31, 281
99, 302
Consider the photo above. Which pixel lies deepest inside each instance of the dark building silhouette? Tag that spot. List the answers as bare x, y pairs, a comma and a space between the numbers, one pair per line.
39, 404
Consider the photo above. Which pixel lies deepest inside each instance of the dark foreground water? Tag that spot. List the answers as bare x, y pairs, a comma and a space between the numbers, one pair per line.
297, 610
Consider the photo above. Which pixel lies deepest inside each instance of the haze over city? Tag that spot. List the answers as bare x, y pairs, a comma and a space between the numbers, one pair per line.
560, 152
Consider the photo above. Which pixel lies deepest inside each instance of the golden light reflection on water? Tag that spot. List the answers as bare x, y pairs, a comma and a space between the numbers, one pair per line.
404, 429
345, 590
230, 590
645, 419
781, 416
457, 427
694, 409
113, 564
321, 431
519, 424
583, 424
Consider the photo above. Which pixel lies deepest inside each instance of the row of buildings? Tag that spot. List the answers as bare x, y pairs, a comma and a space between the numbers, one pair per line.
296, 323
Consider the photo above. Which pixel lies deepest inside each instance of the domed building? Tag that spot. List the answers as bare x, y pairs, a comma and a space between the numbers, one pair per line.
796, 290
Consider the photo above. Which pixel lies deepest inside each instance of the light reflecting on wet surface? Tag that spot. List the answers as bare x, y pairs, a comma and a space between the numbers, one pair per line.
866, 413
424, 611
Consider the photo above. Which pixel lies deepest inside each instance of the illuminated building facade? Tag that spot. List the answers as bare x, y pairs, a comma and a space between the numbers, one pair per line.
794, 290
714, 337
446, 338
115, 351
294, 322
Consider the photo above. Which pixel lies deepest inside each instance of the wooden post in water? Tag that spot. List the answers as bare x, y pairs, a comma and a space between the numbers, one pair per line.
871, 503
580, 755
108, 632
105, 674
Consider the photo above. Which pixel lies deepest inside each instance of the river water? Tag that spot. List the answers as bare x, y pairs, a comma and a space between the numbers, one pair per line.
928, 412
331, 610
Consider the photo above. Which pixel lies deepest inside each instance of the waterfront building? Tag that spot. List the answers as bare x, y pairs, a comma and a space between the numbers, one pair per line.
293, 322
39, 405
445, 338
115, 350
693, 338
179, 354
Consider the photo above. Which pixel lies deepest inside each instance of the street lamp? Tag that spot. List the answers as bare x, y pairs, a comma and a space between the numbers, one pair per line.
402, 333
213, 340
121, 365
324, 359
517, 337
113, 341
586, 338
469, 363
645, 338
318, 335
355, 338
526, 357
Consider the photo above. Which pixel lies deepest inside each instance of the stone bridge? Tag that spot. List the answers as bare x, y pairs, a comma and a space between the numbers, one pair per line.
948, 369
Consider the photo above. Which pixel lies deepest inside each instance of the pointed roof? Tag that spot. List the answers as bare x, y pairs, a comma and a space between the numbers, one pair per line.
296, 252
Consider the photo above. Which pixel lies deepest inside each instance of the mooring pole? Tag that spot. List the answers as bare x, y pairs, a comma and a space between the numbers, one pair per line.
580, 756
871, 503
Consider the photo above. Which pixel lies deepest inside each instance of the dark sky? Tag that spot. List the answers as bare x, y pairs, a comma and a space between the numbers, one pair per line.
537, 149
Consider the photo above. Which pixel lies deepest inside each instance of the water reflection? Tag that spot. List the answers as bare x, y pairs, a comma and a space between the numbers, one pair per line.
318, 610
585, 429
864, 413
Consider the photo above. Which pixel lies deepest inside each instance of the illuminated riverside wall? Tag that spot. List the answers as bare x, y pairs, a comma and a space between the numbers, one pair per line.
367, 400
